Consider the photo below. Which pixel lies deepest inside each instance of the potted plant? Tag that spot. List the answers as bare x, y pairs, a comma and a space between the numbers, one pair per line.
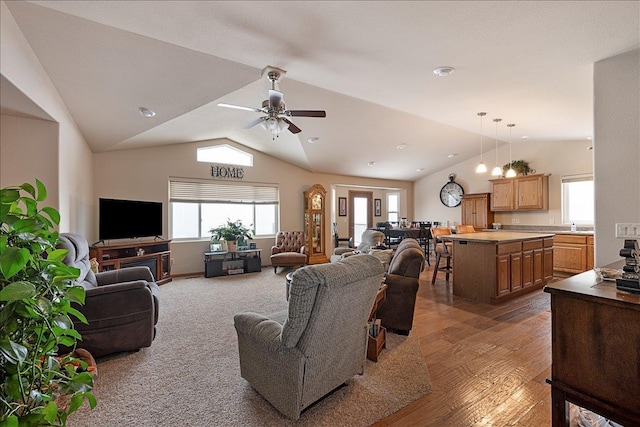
520, 166
231, 232
37, 385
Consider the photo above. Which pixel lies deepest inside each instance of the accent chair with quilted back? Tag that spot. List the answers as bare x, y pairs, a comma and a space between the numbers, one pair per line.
289, 250
121, 306
295, 357
402, 279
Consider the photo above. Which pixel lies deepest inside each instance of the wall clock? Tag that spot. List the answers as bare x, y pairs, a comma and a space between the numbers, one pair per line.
451, 192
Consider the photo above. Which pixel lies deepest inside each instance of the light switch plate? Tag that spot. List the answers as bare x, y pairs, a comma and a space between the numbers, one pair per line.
628, 230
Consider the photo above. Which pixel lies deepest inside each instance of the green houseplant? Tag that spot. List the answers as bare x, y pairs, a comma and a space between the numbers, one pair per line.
231, 232
520, 166
37, 385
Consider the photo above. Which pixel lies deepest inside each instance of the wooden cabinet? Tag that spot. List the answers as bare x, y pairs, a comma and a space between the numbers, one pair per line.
225, 263
154, 254
523, 193
476, 210
547, 260
573, 253
314, 218
521, 265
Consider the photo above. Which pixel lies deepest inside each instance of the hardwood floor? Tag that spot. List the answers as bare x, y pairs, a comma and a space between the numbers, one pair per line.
488, 363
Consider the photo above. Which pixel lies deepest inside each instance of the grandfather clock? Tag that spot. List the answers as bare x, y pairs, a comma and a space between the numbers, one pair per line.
314, 216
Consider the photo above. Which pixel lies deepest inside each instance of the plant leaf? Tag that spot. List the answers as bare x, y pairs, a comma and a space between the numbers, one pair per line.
76, 293
9, 195
57, 254
13, 260
50, 412
13, 352
42, 191
17, 290
52, 213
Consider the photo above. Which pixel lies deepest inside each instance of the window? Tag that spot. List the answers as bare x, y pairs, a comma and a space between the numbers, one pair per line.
393, 207
577, 199
198, 206
224, 154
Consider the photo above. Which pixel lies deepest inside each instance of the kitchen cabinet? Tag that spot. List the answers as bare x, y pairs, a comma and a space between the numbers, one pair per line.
476, 211
573, 253
522, 193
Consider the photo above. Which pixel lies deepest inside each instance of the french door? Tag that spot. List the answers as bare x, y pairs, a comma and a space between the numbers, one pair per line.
360, 214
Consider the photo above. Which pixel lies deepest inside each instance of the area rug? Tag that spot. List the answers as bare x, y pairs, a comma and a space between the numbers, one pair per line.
190, 376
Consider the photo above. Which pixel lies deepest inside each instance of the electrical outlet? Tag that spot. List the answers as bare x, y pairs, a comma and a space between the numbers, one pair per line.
552, 221
628, 230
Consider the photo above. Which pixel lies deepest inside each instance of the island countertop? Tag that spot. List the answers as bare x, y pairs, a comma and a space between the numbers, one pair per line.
498, 236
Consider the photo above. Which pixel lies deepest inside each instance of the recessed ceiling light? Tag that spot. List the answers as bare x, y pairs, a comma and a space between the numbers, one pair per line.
452, 155
589, 138
371, 163
313, 140
419, 169
401, 146
443, 71
146, 112
525, 137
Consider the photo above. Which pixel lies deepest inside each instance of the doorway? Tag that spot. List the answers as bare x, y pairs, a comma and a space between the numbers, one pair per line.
360, 214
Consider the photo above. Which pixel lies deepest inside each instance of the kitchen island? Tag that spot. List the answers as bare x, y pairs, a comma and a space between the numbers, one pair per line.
495, 266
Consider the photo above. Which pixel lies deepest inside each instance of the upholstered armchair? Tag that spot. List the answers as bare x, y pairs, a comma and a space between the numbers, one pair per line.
402, 279
121, 306
369, 239
295, 357
289, 250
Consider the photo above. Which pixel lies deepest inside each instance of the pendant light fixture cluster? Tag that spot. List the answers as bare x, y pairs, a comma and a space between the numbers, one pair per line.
497, 170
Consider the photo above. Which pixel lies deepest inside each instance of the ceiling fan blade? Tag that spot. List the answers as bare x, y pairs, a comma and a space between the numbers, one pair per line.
292, 128
275, 99
306, 113
255, 122
239, 107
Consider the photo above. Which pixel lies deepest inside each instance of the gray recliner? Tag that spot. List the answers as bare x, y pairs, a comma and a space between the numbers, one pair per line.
294, 358
121, 306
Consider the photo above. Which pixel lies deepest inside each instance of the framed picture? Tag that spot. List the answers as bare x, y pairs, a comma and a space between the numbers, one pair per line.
342, 206
377, 207
216, 247
252, 245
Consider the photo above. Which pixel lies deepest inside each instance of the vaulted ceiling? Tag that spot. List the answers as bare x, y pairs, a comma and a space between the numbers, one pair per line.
367, 64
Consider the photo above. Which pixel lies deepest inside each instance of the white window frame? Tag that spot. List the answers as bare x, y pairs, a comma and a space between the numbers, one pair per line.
566, 195
223, 193
224, 153
390, 212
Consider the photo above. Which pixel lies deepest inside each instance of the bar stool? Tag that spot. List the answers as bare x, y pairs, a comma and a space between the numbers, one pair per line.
442, 250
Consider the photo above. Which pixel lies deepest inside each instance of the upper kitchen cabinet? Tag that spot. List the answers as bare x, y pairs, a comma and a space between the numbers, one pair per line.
475, 211
522, 193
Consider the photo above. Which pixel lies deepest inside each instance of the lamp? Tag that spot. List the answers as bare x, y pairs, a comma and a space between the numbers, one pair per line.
481, 168
510, 173
497, 170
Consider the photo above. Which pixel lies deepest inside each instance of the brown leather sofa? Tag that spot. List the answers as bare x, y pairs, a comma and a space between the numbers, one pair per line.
121, 306
402, 279
289, 250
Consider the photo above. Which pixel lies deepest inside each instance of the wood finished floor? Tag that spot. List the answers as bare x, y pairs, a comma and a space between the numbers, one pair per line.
488, 363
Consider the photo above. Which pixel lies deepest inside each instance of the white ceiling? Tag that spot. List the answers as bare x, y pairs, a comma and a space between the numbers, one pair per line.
368, 64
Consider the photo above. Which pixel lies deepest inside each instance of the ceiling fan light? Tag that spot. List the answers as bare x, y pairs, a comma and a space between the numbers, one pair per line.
481, 168
497, 171
282, 125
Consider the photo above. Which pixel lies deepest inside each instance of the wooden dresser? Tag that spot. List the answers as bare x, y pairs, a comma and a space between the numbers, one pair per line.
595, 341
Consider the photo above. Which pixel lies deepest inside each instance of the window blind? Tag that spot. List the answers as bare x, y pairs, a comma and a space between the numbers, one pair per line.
202, 192
576, 178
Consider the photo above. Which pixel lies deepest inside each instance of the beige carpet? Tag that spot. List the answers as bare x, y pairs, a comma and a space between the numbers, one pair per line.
190, 375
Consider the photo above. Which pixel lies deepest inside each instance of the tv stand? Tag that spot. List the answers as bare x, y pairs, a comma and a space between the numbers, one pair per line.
154, 254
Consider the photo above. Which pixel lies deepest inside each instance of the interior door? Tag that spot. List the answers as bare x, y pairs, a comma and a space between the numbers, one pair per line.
360, 214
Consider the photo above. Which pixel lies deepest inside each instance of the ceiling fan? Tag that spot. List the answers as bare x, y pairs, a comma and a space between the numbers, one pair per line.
275, 119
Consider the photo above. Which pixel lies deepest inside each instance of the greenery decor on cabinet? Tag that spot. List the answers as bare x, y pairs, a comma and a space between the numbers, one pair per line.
36, 292
231, 232
520, 166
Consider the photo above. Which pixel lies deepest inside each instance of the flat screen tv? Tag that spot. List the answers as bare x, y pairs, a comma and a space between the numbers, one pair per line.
128, 219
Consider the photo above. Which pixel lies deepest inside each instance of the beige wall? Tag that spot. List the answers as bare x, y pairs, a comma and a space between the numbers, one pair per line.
617, 150
554, 158
73, 161
143, 174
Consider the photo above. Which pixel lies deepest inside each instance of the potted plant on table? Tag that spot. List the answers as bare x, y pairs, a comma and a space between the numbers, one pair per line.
37, 385
231, 232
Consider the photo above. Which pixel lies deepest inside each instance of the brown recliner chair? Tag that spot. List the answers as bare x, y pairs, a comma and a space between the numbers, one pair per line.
396, 312
121, 306
289, 250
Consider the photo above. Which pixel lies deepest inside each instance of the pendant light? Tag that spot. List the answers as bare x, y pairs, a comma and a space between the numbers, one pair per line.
481, 168
497, 170
510, 173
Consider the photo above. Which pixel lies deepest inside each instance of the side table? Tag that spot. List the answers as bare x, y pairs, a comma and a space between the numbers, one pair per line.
377, 343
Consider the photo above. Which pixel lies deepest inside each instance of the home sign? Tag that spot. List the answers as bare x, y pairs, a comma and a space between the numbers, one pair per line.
227, 172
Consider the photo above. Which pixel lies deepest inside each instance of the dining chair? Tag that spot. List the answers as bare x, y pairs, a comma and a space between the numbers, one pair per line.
461, 229
442, 249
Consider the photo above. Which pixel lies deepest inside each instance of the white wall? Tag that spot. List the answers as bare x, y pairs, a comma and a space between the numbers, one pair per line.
73, 162
554, 158
617, 150
144, 173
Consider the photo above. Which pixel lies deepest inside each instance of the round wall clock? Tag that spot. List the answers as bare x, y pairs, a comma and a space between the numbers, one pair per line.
451, 192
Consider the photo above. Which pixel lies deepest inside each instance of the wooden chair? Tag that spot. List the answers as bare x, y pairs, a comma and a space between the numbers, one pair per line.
461, 229
338, 239
442, 249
